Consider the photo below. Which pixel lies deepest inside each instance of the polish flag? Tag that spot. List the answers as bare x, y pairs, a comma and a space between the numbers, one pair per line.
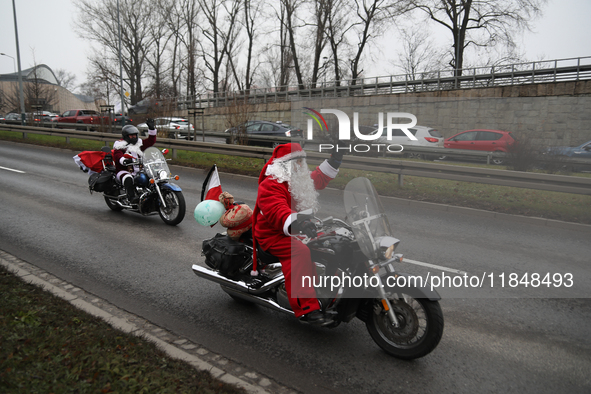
212, 188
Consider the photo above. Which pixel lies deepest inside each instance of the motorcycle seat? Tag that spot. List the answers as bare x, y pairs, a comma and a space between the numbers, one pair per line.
266, 257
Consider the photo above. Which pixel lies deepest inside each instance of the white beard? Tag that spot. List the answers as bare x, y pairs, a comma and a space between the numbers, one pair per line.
134, 150
300, 183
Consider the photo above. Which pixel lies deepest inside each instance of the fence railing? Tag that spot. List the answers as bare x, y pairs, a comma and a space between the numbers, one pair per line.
559, 70
549, 182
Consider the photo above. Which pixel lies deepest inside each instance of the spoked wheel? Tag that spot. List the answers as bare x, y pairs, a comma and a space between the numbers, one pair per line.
112, 205
174, 212
419, 331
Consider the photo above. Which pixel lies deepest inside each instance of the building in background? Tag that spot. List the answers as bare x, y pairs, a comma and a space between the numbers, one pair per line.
42, 93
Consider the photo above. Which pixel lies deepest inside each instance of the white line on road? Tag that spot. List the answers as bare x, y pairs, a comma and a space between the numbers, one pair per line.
11, 169
434, 266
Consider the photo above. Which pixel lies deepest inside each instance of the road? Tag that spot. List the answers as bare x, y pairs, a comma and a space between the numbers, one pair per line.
511, 345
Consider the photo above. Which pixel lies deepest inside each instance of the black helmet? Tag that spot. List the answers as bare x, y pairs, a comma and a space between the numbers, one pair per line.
129, 130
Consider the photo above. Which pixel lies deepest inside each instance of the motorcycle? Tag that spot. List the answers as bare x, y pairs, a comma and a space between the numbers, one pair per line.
403, 317
152, 182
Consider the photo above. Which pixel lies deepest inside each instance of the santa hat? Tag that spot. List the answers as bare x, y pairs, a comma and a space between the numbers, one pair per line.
281, 153
284, 152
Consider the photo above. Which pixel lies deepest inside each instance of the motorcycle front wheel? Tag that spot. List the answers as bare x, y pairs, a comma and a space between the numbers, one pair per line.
419, 331
174, 212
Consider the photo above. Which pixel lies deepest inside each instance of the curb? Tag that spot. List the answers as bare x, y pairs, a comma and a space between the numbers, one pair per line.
173, 345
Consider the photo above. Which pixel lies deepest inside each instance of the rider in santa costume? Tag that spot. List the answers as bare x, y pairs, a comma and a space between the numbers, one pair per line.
286, 186
127, 150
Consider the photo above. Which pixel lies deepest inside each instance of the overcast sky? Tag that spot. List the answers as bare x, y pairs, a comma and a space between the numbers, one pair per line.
46, 35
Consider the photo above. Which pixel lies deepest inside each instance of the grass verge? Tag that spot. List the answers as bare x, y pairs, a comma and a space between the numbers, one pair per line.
49, 346
517, 201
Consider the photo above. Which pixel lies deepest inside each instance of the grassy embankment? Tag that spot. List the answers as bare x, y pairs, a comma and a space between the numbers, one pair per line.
49, 346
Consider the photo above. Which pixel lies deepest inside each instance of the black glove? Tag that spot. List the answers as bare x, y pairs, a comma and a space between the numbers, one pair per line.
305, 226
336, 156
150, 124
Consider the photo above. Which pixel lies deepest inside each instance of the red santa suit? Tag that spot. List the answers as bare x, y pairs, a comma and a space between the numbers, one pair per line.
273, 215
124, 150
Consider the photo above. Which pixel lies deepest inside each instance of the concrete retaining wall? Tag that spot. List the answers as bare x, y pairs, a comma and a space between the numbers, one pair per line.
552, 113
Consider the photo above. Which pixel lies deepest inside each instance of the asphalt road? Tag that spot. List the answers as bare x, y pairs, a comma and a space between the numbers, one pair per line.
511, 345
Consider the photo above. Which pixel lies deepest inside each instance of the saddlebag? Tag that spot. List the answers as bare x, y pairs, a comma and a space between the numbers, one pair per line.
225, 255
101, 182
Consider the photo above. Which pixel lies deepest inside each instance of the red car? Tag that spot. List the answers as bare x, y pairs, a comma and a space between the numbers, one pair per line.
482, 139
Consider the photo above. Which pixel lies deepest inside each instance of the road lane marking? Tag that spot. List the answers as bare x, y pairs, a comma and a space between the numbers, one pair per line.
11, 169
455, 271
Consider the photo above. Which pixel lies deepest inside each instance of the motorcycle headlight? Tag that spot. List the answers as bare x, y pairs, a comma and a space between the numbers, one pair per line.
387, 246
163, 174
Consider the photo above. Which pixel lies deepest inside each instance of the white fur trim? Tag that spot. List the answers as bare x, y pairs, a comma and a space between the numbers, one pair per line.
328, 170
122, 144
291, 156
152, 132
291, 218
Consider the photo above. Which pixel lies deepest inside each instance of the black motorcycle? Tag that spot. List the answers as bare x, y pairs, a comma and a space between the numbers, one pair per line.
355, 276
152, 182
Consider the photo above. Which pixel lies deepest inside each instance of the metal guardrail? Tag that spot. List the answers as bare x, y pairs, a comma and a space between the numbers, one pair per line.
559, 70
549, 182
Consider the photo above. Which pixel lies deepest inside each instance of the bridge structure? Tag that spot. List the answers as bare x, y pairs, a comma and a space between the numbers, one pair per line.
538, 72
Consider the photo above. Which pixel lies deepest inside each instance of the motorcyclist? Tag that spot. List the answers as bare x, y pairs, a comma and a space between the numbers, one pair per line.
286, 186
128, 149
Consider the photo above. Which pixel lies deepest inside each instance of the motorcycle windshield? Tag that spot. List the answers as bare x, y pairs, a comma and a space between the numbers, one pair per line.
366, 215
155, 164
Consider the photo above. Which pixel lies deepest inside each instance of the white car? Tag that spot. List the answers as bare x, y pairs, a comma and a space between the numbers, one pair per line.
178, 128
426, 136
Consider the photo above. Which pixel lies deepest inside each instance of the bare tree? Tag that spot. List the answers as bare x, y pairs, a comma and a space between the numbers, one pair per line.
97, 21
337, 27
217, 29
370, 23
322, 10
65, 79
479, 23
289, 9
418, 54
160, 33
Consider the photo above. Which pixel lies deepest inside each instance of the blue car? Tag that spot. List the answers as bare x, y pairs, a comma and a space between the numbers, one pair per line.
581, 151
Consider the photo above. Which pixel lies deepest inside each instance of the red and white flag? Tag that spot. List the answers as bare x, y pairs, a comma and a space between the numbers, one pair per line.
212, 188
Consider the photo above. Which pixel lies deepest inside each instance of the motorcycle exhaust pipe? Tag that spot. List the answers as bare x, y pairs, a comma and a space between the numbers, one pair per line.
255, 299
234, 284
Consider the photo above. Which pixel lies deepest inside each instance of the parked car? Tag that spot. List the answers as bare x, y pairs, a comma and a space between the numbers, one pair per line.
264, 128
178, 128
45, 116
235, 129
116, 119
581, 151
12, 118
426, 136
555, 153
145, 106
484, 140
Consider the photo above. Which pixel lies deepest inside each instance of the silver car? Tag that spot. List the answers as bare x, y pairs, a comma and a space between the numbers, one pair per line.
426, 136
178, 128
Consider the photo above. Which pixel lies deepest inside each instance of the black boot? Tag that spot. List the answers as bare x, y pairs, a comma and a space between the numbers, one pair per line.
130, 190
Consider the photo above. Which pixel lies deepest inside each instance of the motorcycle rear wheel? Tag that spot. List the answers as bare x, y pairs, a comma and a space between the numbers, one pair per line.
174, 213
420, 327
112, 205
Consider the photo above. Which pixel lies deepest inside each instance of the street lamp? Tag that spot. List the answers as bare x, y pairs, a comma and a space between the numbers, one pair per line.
13, 61
20, 74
